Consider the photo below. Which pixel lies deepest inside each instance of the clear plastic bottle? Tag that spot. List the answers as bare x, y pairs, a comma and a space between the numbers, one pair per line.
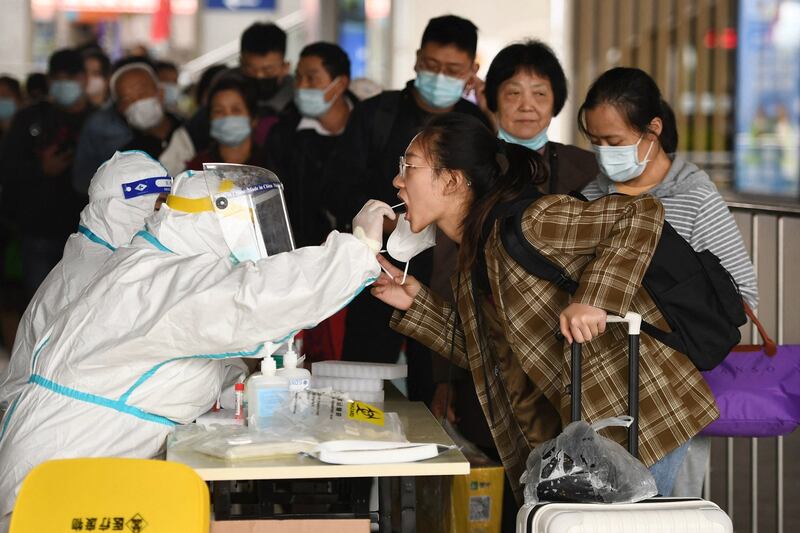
246, 385
299, 378
265, 393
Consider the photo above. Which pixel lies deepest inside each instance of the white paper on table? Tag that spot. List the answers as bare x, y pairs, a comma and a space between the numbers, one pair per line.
359, 452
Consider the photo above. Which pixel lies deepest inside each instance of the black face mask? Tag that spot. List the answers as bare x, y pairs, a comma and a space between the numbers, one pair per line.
265, 88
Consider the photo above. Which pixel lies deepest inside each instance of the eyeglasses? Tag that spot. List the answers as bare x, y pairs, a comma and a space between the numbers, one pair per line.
434, 66
403, 166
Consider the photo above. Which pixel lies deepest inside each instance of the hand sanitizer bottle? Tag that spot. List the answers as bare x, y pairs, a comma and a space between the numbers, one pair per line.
299, 378
266, 393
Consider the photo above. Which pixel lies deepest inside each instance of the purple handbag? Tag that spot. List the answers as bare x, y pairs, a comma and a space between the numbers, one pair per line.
757, 389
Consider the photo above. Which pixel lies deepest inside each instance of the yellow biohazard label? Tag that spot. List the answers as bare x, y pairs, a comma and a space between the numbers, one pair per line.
363, 412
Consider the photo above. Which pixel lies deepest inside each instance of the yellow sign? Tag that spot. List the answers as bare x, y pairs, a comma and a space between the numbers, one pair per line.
364, 412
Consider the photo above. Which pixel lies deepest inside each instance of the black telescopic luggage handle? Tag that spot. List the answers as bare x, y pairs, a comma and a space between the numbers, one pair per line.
634, 321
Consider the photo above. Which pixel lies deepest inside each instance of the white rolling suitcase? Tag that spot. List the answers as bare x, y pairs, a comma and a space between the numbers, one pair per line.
656, 515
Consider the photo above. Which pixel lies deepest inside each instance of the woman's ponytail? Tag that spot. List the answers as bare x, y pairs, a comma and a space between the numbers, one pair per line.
524, 166
669, 129
501, 158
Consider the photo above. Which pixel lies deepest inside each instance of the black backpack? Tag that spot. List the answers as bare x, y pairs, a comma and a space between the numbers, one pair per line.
696, 295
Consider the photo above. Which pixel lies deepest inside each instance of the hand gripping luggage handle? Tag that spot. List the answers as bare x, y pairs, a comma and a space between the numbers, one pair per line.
634, 321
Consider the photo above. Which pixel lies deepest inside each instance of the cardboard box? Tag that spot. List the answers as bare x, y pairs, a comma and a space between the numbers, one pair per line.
290, 526
462, 504
477, 501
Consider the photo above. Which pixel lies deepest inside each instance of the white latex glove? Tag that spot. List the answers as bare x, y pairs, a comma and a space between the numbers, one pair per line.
368, 223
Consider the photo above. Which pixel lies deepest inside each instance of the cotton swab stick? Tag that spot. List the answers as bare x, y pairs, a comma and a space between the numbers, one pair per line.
387, 272
384, 269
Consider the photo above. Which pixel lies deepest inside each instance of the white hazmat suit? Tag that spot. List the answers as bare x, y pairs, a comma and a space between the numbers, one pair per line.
144, 347
122, 194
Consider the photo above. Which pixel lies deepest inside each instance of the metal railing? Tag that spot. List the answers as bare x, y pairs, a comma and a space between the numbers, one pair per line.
756, 502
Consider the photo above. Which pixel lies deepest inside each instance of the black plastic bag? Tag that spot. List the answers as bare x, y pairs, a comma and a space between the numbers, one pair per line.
581, 466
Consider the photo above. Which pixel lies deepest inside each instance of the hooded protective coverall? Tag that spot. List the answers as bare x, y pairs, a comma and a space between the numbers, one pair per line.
122, 194
144, 347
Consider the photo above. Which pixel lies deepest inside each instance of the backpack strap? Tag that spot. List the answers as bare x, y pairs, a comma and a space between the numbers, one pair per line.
526, 255
578, 195
552, 152
388, 106
670, 338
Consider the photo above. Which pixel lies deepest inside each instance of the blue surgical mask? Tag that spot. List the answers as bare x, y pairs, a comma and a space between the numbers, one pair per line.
621, 163
534, 143
439, 90
311, 102
7, 108
66, 92
231, 130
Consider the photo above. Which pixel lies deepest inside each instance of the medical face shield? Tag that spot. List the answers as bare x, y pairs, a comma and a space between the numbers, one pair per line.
251, 210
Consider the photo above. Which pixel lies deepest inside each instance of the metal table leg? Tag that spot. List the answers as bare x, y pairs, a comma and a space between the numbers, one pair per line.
221, 491
385, 504
408, 504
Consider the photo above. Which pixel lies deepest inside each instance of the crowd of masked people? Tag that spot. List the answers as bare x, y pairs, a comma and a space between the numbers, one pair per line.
61, 126
334, 150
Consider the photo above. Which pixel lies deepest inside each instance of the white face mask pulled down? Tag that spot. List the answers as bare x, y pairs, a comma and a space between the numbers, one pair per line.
403, 244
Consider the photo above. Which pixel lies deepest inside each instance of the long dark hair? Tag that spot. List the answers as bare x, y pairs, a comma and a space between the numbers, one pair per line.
636, 96
496, 171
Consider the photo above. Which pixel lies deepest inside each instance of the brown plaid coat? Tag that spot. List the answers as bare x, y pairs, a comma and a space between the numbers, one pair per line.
606, 245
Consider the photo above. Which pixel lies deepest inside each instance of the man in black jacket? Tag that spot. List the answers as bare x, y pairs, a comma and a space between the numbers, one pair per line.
298, 149
378, 133
300, 144
36, 161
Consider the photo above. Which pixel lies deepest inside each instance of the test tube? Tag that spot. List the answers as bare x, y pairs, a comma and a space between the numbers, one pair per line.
238, 394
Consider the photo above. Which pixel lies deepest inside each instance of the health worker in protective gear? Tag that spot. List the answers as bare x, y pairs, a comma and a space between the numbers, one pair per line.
122, 193
145, 346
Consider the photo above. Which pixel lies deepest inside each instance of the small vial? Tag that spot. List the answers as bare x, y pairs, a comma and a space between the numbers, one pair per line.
238, 396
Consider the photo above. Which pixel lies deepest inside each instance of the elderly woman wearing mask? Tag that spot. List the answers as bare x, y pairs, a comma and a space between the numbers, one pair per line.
525, 88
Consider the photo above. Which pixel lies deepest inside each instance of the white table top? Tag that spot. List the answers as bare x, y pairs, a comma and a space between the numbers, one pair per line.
418, 422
